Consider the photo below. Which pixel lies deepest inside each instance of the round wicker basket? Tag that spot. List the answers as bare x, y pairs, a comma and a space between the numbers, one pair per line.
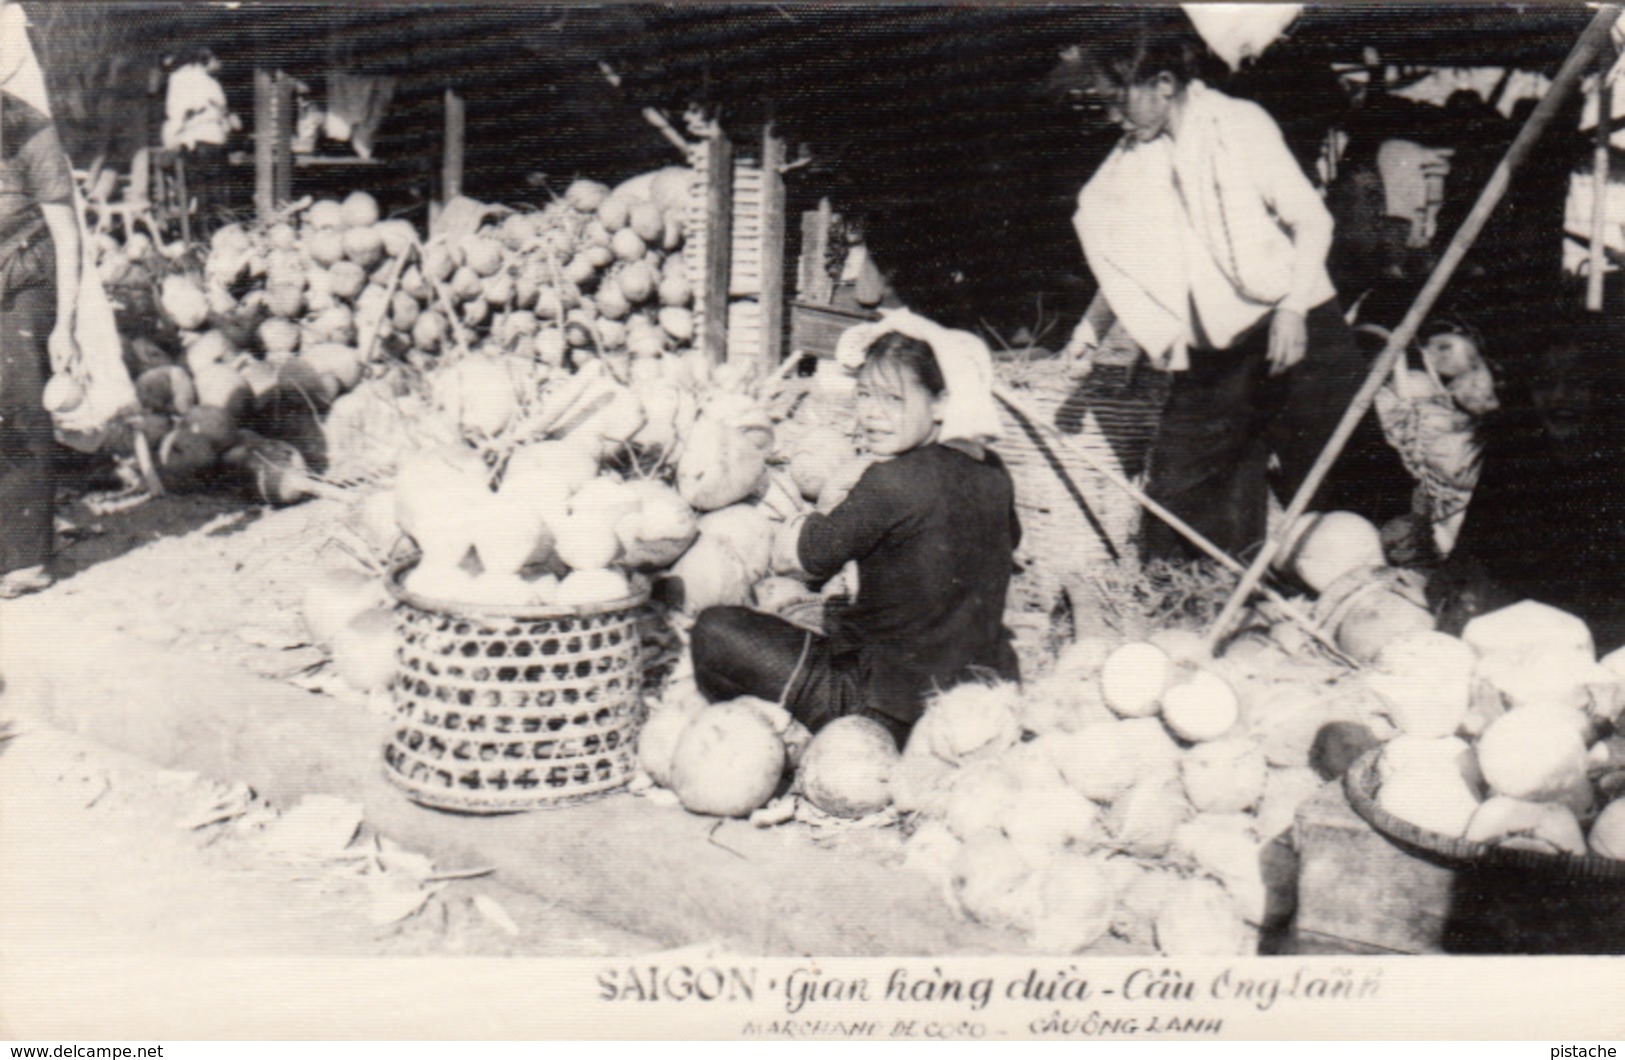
500, 709
1362, 785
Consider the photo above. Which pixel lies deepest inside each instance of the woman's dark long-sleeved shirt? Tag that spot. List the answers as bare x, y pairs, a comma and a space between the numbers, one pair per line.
933, 532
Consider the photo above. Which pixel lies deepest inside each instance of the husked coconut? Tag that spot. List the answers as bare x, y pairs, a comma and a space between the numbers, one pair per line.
1185, 647
725, 457
365, 649
969, 718
847, 768
1543, 677
1321, 547
1408, 754
1224, 847
657, 738
589, 588
1075, 905
659, 531
712, 575
980, 799
1102, 760
434, 494
1285, 790
1534, 753
1030, 762
1426, 680
931, 851
1435, 800
333, 597
1143, 819
920, 781
1200, 709
1197, 919
1607, 838
1060, 703
1545, 827
1133, 679
1224, 776
728, 761
1085, 657
746, 529
1046, 819
993, 884
1526, 626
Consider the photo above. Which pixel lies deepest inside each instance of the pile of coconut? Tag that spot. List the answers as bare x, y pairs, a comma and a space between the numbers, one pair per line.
269, 322
1134, 790
1509, 734
515, 484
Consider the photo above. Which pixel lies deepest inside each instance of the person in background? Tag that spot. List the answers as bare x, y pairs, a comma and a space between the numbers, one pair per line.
198, 123
1547, 518
39, 285
932, 526
1209, 245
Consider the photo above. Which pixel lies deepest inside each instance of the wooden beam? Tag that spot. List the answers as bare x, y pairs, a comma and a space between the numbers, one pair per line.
282, 143
264, 145
773, 230
451, 166
814, 284
719, 213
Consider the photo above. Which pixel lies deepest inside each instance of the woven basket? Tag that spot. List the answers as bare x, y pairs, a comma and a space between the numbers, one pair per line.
1361, 784
499, 709
1072, 516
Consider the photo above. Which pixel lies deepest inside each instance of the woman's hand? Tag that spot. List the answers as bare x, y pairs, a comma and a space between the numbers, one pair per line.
1289, 340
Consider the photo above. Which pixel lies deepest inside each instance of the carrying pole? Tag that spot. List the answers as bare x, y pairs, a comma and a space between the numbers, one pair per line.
1180, 526
1585, 51
1598, 257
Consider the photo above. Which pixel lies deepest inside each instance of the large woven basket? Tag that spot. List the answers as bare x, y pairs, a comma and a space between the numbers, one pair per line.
1362, 785
499, 709
1507, 901
1072, 516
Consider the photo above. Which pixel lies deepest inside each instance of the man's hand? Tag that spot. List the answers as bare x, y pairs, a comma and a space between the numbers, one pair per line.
1079, 352
1289, 340
64, 350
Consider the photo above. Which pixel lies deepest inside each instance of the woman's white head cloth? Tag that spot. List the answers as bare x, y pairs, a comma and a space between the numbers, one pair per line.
968, 411
20, 73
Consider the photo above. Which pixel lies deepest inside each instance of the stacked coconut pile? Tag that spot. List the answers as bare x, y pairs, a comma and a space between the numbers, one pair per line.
1145, 790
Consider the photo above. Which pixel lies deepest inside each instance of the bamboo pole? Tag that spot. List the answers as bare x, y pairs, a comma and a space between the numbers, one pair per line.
1598, 259
1184, 529
1585, 50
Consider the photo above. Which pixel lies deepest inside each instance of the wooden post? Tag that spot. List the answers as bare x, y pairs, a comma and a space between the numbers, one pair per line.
719, 214
451, 167
1599, 192
282, 150
773, 226
1585, 50
815, 285
264, 145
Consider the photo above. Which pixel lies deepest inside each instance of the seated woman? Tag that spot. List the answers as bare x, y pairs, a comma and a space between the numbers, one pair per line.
1547, 519
933, 529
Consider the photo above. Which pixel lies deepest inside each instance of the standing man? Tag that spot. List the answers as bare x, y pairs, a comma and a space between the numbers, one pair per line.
1209, 245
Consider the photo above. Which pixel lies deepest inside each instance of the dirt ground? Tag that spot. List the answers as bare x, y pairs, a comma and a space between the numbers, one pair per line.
103, 852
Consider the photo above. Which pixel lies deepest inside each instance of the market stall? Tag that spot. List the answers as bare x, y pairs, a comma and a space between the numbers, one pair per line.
509, 453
